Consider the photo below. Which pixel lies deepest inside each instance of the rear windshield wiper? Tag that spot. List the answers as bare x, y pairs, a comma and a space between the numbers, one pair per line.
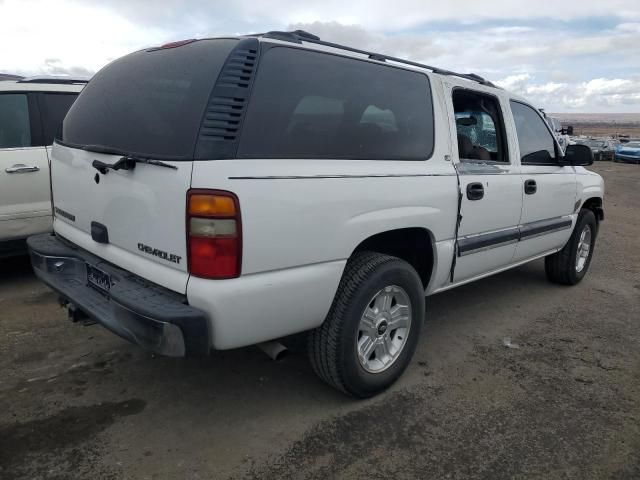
128, 162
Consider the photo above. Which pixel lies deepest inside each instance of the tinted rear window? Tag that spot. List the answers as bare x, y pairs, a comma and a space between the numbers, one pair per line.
53, 108
148, 103
15, 129
314, 105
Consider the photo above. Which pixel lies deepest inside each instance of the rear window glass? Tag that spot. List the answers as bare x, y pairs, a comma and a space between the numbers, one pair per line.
315, 105
15, 130
53, 108
148, 103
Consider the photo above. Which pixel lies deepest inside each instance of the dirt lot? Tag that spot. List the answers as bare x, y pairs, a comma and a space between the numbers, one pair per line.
77, 402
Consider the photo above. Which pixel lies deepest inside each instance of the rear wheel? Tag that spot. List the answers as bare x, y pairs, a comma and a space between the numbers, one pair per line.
570, 265
373, 327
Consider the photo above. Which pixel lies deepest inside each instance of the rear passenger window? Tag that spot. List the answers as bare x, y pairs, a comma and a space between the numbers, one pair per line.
15, 129
53, 108
537, 146
316, 105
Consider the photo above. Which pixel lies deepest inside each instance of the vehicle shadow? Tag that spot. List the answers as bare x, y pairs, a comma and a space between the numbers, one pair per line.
15, 269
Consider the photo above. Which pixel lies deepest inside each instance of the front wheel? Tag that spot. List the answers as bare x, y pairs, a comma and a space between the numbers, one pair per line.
373, 327
570, 265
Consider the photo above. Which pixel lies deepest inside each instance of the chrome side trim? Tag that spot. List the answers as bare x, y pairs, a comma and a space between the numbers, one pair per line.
486, 241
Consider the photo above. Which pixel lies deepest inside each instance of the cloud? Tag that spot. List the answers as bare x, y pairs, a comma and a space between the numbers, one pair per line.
515, 30
413, 46
382, 15
79, 37
599, 94
515, 83
55, 66
377, 15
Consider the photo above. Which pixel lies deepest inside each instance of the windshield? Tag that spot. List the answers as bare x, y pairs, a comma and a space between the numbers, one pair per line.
149, 103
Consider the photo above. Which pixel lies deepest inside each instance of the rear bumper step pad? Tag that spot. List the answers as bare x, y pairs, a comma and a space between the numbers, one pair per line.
146, 314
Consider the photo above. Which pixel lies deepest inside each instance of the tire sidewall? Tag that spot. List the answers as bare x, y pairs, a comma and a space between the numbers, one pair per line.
397, 273
586, 217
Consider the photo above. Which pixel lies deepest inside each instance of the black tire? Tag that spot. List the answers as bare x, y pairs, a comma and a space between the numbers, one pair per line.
561, 266
332, 346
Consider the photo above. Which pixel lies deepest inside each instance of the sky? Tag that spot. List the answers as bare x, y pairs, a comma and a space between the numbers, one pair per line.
565, 56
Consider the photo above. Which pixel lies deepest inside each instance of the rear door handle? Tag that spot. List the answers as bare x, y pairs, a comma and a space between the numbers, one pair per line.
475, 191
530, 187
21, 168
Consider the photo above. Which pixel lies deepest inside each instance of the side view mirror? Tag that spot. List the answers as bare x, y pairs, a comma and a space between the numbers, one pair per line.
578, 156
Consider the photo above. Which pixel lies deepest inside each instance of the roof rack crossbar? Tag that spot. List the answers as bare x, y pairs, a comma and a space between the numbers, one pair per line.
299, 36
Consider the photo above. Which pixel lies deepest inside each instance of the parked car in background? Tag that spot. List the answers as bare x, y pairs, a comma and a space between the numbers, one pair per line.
603, 149
628, 152
219, 193
31, 112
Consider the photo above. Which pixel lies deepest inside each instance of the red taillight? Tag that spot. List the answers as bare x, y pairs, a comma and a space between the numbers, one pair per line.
214, 234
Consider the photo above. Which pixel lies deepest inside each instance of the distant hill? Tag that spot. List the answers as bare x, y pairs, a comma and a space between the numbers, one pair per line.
622, 118
8, 76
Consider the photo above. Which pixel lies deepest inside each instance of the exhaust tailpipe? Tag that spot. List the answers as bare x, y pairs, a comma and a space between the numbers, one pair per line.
275, 350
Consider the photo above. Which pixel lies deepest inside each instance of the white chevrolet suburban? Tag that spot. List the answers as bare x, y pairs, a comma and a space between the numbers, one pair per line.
31, 111
218, 193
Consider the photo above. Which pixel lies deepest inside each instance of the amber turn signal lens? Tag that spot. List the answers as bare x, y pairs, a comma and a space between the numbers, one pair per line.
211, 205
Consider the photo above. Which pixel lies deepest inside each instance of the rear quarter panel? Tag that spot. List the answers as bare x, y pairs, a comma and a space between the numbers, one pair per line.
301, 220
300, 212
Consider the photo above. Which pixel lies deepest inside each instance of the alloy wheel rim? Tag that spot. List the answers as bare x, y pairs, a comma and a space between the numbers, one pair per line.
584, 248
383, 329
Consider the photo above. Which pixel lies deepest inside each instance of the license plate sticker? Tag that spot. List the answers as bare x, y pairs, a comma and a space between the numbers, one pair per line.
98, 279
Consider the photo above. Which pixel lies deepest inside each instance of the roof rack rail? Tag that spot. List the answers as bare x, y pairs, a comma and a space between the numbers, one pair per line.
299, 36
55, 79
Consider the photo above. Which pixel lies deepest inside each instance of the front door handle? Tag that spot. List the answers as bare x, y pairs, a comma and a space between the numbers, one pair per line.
530, 187
21, 168
475, 191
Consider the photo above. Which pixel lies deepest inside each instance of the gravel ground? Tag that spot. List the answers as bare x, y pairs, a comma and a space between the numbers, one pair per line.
77, 402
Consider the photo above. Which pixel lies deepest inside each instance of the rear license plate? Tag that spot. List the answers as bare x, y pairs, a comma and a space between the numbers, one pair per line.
98, 279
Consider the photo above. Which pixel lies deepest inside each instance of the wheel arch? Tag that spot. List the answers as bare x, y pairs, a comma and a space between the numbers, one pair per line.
415, 245
594, 204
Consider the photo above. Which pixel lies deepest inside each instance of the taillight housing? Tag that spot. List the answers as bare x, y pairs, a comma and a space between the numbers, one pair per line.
214, 234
